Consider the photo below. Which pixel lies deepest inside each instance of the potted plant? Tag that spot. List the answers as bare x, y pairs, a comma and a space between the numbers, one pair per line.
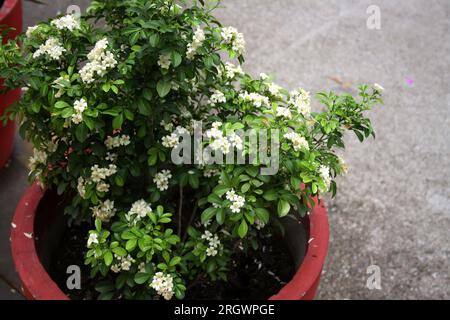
180, 175
10, 18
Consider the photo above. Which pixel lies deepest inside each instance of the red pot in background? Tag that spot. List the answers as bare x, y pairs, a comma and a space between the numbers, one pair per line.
32, 238
10, 15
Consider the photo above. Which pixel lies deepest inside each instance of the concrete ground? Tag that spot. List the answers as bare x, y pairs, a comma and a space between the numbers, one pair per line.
393, 208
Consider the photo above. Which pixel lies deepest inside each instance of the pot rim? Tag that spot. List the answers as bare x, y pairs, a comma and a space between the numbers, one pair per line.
7, 7
38, 285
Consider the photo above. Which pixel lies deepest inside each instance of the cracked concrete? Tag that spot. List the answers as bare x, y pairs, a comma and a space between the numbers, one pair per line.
393, 208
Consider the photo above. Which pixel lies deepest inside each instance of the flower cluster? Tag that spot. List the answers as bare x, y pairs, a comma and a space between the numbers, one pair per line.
231, 71
104, 211
213, 243
197, 41
123, 263
217, 97
162, 180
98, 175
298, 142
80, 106
93, 239
256, 99
164, 61
100, 60
237, 201
302, 101
39, 157
68, 22
324, 172
284, 112
52, 48
231, 36
163, 285
117, 141
138, 211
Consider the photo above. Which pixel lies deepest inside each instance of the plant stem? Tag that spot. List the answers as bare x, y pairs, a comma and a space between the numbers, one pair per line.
191, 219
180, 210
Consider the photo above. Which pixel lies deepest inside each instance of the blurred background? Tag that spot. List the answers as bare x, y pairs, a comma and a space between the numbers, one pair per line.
393, 208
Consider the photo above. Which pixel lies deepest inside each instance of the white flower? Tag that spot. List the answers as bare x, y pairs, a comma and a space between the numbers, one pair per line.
115, 268
126, 263
284, 112
162, 180
217, 97
52, 48
301, 100
68, 22
324, 172
80, 106
93, 239
197, 41
100, 60
168, 126
170, 141
209, 173
343, 165
30, 31
231, 71
257, 99
116, 142
213, 243
378, 88
264, 76
237, 201
232, 37
274, 89
111, 156
164, 61
39, 157
259, 224
103, 187
81, 187
163, 285
138, 210
104, 211
99, 174
298, 142
236, 141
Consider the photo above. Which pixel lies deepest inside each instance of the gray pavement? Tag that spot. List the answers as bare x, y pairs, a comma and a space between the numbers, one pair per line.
393, 208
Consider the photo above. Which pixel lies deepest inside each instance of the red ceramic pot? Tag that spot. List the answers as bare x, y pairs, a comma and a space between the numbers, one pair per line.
29, 233
10, 15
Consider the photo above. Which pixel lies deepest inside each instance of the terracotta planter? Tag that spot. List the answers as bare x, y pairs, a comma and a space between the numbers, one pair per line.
34, 217
10, 15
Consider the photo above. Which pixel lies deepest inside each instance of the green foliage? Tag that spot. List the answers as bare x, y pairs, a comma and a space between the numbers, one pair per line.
102, 140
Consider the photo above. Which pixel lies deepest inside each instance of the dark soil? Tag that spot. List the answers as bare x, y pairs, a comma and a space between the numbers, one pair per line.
256, 276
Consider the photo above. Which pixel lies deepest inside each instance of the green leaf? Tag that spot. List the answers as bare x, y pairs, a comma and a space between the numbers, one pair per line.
61, 105
263, 214
208, 214
163, 87
176, 59
245, 187
283, 208
270, 195
175, 261
81, 132
131, 245
141, 278
118, 121
220, 217
108, 258
243, 229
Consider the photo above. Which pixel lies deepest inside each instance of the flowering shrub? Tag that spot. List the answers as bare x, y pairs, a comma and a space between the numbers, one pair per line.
106, 107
